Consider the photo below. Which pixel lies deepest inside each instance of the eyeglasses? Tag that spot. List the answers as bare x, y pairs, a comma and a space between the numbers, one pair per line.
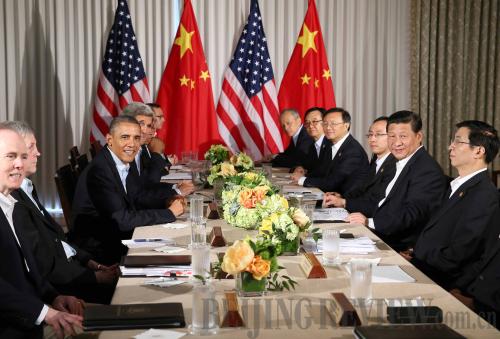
456, 142
331, 123
312, 122
376, 135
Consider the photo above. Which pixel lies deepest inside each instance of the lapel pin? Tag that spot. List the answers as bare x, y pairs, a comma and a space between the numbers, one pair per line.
461, 194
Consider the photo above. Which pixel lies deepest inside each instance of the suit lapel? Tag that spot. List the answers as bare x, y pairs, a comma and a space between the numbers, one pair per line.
46, 218
109, 159
405, 171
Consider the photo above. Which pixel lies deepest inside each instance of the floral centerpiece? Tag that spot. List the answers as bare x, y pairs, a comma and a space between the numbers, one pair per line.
217, 154
236, 164
254, 265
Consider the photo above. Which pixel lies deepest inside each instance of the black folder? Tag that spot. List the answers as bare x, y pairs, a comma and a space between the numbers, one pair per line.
155, 260
116, 317
413, 331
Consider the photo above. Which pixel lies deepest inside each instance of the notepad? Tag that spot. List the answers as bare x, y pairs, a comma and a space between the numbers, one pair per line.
390, 274
330, 214
177, 176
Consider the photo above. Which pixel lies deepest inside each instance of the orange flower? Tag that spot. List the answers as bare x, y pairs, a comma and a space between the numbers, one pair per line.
246, 198
259, 267
260, 193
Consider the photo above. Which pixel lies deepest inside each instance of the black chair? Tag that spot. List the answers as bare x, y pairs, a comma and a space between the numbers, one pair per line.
73, 156
81, 162
66, 183
95, 147
494, 176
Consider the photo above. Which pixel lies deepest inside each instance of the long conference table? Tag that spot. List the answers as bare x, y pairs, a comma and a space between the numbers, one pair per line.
300, 313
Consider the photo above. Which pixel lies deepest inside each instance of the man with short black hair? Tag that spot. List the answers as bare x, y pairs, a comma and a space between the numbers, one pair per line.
414, 192
457, 234
300, 141
345, 164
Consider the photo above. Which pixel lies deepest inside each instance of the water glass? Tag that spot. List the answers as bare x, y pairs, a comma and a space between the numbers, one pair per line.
196, 207
309, 211
205, 311
331, 246
198, 231
295, 199
267, 169
361, 279
200, 259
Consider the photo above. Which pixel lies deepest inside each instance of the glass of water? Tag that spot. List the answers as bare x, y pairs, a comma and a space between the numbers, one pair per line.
200, 259
331, 246
267, 169
198, 231
195, 207
361, 280
205, 312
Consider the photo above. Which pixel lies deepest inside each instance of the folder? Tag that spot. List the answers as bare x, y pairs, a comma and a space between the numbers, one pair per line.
155, 260
412, 331
115, 317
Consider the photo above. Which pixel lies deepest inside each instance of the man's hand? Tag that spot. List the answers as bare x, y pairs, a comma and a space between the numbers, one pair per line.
173, 159
408, 254
68, 304
357, 218
295, 177
156, 145
95, 266
63, 324
186, 187
300, 171
332, 199
177, 206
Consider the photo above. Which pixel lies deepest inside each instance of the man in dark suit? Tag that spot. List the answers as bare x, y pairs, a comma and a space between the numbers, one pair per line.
25, 295
299, 143
345, 164
364, 199
316, 154
107, 204
457, 234
414, 192
158, 121
69, 269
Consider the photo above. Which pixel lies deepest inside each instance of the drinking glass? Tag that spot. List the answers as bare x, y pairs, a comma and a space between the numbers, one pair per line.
200, 259
331, 246
196, 207
198, 231
361, 280
267, 169
205, 311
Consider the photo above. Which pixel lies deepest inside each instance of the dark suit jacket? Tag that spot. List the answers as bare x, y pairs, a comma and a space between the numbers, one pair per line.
344, 173
456, 235
105, 213
44, 237
311, 161
293, 154
416, 194
365, 198
152, 165
22, 292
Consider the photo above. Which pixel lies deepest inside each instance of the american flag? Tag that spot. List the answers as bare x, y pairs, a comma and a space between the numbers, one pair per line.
247, 113
122, 78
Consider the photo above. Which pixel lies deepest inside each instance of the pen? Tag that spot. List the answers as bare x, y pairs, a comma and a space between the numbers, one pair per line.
150, 240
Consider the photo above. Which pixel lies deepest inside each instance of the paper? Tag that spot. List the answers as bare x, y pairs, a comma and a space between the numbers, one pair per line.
164, 282
169, 249
157, 334
390, 274
157, 271
177, 176
330, 214
131, 243
296, 190
174, 226
313, 196
361, 245
405, 302
177, 167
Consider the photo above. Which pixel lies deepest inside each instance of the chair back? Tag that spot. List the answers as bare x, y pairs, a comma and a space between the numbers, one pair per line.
81, 162
95, 147
73, 156
66, 184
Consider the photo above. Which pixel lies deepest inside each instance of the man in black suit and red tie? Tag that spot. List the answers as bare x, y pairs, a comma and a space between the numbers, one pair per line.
27, 301
415, 191
458, 233
300, 141
364, 199
345, 164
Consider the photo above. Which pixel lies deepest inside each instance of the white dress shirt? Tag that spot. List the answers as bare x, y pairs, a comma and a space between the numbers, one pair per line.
7, 205
459, 181
380, 161
138, 160
122, 169
296, 135
318, 143
400, 165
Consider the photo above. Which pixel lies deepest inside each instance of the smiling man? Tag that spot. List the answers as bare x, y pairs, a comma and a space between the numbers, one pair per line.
457, 234
414, 192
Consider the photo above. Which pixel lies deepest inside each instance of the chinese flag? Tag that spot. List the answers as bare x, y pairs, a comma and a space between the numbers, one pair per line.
185, 93
308, 79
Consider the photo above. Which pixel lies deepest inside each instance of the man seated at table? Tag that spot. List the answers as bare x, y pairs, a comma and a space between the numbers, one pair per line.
299, 143
317, 152
69, 269
364, 199
414, 192
108, 202
27, 299
345, 164
456, 235
158, 121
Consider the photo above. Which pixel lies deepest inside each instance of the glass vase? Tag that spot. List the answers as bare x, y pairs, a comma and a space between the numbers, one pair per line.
248, 286
290, 247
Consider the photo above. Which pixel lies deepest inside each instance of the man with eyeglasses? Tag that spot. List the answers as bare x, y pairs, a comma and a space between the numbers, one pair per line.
157, 144
300, 141
346, 163
458, 233
414, 192
316, 154
382, 169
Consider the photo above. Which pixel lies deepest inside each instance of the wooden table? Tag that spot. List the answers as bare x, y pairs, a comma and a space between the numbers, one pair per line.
301, 313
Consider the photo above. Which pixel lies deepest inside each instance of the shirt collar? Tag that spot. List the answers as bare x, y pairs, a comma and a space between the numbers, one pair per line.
339, 143
7, 202
319, 141
380, 161
402, 163
27, 186
459, 181
296, 135
120, 165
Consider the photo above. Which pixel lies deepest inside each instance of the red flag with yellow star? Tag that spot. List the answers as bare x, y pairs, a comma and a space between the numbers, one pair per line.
308, 79
185, 93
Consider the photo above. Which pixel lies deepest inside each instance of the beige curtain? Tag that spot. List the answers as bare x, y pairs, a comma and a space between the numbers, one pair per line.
455, 67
